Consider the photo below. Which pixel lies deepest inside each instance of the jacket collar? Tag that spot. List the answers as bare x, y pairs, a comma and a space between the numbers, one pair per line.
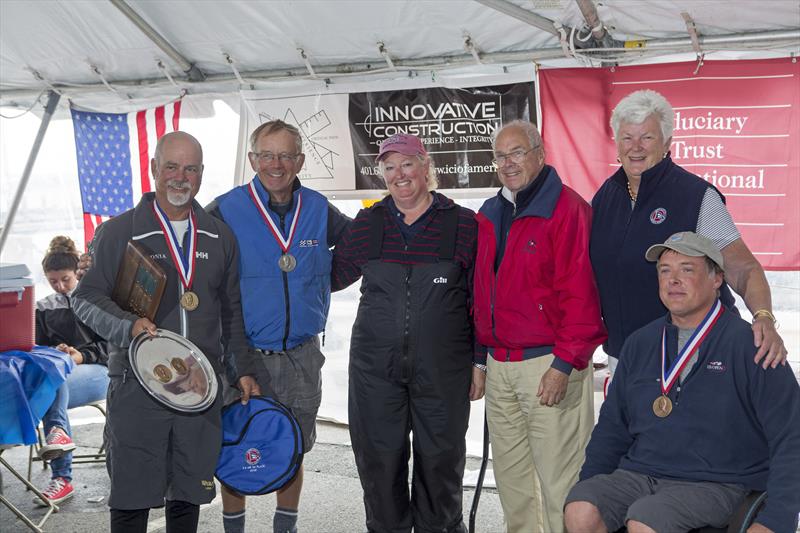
440, 202
143, 213
264, 195
544, 201
651, 178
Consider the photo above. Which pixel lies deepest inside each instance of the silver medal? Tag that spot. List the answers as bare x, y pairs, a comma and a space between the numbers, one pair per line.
287, 262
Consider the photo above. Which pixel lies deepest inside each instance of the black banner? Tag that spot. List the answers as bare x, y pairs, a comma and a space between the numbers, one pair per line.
455, 126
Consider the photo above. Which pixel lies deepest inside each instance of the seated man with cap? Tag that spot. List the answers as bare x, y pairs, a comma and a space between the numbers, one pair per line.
691, 424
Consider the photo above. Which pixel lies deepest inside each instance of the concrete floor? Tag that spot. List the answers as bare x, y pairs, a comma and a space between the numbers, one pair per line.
331, 503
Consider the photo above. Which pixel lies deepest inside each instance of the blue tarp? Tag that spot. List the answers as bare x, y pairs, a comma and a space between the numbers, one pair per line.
28, 384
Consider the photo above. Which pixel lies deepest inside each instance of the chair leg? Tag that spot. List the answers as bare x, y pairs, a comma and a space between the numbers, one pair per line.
52, 508
100, 455
33, 457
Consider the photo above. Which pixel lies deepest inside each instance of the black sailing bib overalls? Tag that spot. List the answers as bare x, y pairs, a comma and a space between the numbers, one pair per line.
410, 370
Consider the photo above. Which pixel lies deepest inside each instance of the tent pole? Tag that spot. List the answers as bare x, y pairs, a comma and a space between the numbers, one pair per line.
522, 14
52, 101
589, 11
190, 69
733, 42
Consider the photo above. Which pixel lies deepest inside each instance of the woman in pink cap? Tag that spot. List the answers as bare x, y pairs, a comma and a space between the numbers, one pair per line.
412, 363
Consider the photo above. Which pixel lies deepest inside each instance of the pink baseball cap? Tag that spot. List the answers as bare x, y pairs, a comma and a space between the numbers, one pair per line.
401, 142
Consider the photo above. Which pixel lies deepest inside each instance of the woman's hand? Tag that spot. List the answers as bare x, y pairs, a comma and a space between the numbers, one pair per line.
769, 343
75, 355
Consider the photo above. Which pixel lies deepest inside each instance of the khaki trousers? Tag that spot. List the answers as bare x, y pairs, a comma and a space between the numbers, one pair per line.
537, 451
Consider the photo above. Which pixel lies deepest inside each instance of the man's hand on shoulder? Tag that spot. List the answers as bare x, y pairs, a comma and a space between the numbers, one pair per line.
769, 343
84, 264
552, 387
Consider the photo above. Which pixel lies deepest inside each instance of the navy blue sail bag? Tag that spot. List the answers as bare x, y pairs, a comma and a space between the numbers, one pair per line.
262, 446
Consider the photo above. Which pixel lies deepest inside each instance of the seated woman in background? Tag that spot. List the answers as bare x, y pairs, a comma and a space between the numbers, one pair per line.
57, 326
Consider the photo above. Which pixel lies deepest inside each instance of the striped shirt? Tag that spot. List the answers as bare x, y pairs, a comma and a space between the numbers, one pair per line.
715, 220
352, 253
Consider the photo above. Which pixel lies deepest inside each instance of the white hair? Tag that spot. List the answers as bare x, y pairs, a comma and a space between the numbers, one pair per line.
639, 106
529, 128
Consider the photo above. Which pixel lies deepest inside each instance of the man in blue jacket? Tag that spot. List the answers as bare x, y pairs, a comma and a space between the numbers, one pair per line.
691, 424
285, 232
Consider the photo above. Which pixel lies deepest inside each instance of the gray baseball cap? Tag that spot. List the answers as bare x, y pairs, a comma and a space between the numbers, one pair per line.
687, 243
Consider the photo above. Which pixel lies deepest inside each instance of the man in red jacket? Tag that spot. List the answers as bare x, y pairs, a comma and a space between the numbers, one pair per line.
537, 312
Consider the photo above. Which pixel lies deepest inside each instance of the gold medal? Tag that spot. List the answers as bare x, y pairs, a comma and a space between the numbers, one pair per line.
287, 262
190, 301
179, 365
662, 406
162, 373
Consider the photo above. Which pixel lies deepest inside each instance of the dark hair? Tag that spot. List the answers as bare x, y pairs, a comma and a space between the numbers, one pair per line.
61, 255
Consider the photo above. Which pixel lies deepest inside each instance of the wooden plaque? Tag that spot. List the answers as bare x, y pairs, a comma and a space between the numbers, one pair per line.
140, 282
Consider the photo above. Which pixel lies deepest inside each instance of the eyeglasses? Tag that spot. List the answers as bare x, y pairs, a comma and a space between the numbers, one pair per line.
515, 156
269, 157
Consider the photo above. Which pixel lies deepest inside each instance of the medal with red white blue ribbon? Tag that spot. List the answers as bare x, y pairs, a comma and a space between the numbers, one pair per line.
182, 259
287, 262
662, 406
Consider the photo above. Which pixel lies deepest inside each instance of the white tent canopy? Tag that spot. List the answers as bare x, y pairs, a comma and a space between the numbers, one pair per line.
116, 54
125, 55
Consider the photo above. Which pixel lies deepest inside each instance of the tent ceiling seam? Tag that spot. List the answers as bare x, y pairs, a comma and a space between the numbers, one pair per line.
745, 41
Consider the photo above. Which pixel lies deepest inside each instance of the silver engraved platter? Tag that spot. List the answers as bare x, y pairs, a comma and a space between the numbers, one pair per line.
173, 371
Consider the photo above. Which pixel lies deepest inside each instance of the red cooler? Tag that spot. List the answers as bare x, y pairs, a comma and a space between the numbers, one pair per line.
17, 331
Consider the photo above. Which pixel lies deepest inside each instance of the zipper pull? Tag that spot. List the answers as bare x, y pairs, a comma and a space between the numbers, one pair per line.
124, 375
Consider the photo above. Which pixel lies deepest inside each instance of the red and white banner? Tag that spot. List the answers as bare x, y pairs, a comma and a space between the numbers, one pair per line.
737, 125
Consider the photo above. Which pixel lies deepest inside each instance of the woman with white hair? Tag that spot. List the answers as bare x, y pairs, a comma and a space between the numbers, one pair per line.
413, 368
645, 201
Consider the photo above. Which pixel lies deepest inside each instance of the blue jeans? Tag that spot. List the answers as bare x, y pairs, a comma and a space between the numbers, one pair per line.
86, 384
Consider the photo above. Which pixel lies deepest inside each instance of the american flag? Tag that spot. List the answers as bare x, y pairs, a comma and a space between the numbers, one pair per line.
114, 158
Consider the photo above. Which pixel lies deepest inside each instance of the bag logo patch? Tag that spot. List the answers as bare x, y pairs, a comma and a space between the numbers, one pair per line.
252, 456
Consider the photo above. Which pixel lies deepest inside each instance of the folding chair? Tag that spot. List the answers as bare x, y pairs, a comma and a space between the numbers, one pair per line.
98, 457
51, 507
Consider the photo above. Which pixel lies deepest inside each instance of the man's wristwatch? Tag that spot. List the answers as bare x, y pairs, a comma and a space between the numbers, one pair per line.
479, 366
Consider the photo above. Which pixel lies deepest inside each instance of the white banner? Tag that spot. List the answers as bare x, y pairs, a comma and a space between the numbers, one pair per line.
323, 123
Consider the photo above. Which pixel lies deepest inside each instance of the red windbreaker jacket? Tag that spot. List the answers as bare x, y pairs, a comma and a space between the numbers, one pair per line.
543, 293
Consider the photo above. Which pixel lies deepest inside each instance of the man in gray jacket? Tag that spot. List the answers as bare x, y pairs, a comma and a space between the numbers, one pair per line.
157, 455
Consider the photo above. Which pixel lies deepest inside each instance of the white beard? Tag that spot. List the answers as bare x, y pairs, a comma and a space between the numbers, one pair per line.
179, 199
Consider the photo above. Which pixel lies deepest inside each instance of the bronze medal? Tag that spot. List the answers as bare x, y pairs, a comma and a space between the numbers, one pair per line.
179, 365
162, 373
662, 406
190, 301
287, 262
